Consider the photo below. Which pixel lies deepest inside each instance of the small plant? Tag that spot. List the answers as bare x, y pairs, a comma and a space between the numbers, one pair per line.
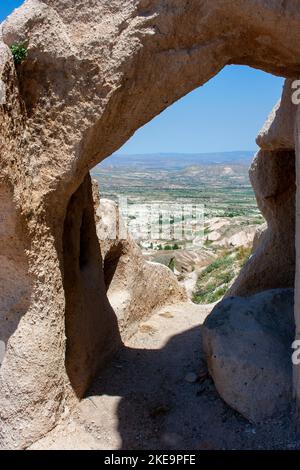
216, 279
19, 52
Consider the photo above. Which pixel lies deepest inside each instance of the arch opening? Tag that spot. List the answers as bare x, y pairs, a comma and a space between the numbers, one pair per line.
268, 269
119, 176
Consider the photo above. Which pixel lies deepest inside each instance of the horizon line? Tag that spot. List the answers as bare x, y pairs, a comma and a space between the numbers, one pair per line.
182, 153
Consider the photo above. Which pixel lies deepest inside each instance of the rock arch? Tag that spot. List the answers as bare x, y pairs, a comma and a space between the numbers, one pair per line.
96, 72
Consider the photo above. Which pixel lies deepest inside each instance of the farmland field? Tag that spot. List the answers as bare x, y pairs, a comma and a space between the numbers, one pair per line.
218, 184
222, 187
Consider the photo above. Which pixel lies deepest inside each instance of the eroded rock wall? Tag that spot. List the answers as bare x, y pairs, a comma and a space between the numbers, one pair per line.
248, 340
92, 333
273, 177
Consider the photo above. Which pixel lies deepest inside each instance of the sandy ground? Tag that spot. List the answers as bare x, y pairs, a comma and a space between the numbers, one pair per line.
148, 399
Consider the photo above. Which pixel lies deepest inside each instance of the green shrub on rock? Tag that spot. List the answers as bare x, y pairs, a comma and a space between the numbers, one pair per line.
19, 52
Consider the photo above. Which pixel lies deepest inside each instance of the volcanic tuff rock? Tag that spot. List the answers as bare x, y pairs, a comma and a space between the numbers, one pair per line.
247, 342
135, 288
273, 178
96, 71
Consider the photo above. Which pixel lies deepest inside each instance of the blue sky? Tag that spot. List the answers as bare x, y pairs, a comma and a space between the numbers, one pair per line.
223, 115
7, 6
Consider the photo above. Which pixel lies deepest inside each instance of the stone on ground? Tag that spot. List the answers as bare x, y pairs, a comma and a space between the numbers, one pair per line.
247, 342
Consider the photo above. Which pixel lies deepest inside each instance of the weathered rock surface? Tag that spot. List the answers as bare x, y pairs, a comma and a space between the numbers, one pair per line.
273, 178
91, 339
259, 235
278, 132
247, 342
135, 288
95, 73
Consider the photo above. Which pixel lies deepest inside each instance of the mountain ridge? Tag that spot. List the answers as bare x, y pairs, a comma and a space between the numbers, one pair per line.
179, 160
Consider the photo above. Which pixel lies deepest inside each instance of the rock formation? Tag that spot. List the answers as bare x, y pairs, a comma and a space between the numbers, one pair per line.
267, 340
223, 232
135, 288
247, 342
273, 178
259, 235
96, 71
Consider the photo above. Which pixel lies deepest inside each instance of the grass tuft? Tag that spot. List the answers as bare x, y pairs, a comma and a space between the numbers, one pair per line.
19, 52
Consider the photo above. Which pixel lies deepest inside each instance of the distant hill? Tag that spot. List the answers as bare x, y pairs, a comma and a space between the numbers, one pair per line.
178, 160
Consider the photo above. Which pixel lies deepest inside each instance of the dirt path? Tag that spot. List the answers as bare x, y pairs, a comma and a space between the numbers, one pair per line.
147, 398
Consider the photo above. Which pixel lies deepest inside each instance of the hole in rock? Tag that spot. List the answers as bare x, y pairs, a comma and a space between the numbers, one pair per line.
189, 157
